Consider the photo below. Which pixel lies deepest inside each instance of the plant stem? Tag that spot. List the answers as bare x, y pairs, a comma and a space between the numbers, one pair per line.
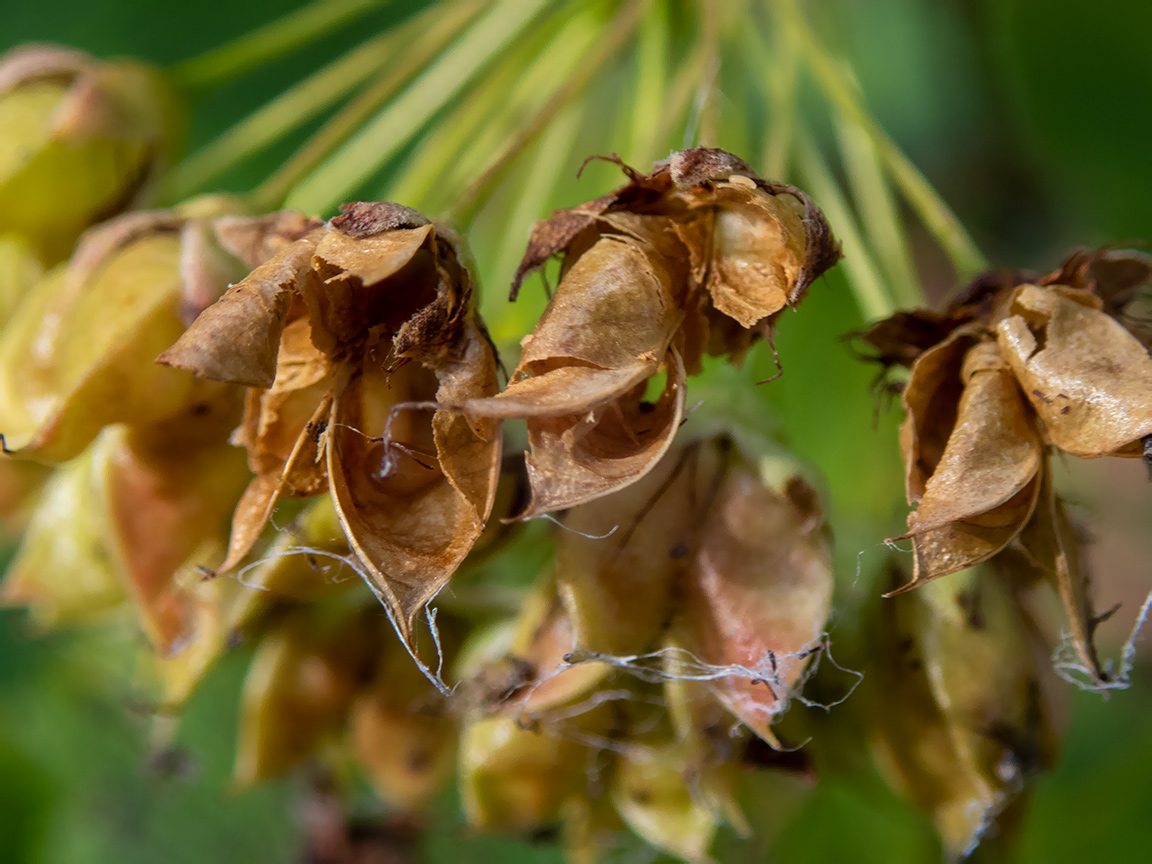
877, 210
426, 35
651, 70
863, 277
779, 81
966, 257
380, 140
282, 115
266, 43
530, 76
464, 208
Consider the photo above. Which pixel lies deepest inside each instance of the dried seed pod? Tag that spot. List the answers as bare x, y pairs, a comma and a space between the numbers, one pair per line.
518, 779
620, 560
76, 354
1053, 549
20, 270
989, 671
983, 488
1086, 376
1021, 363
81, 141
965, 709
61, 571
698, 256
652, 793
166, 490
758, 593
355, 338
299, 689
401, 730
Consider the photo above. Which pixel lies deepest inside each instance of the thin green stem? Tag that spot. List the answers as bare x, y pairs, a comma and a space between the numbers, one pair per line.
269, 42
966, 257
863, 277
377, 142
684, 86
779, 80
553, 155
287, 112
706, 108
651, 71
426, 36
621, 29
877, 209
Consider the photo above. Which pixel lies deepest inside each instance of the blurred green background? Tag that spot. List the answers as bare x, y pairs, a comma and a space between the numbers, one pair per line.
1032, 119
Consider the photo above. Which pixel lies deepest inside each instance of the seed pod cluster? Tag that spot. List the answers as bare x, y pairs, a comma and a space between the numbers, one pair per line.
651, 656
1017, 367
148, 476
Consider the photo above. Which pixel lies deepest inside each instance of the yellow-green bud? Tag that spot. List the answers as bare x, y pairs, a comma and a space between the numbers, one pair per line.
80, 141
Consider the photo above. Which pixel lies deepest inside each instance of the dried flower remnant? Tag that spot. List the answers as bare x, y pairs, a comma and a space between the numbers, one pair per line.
758, 593
634, 668
965, 706
160, 477
20, 269
75, 355
353, 339
1021, 364
81, 140
700, 256
299, 689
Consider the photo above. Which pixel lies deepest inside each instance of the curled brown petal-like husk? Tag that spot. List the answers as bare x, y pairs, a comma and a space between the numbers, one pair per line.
930, 399
363, 282
758, 253
966, 543
237, 338
708, 179
991, 673
168, 490
304, 473
275, 418
581, 457
255, 240
411, 509
993, 452
757, 595
1088, 378
1051, 545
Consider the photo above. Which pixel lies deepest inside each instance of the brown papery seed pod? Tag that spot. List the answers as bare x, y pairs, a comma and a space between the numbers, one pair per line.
353, 339
699, 256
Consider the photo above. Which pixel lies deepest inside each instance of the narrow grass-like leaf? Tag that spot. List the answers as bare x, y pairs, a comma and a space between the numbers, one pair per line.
944, 225
620, 31
878, 213
380, 140
426, 36
478, 119
287, 112
652, 58
280, 37
863, 276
